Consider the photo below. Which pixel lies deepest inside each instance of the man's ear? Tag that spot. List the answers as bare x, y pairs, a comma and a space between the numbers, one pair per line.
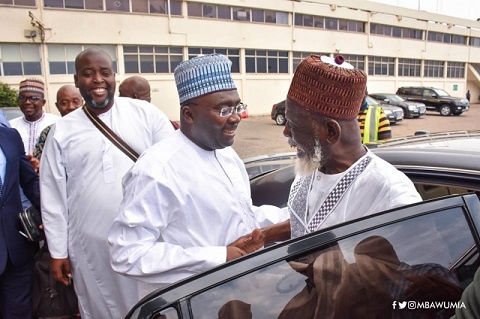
186, 113
333, 131
75, 79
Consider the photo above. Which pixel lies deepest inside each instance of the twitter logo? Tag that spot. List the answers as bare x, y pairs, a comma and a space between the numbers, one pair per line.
402, 305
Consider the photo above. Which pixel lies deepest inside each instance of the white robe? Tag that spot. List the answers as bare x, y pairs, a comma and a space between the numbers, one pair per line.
379, 187
81, 190
30, 131
181, 208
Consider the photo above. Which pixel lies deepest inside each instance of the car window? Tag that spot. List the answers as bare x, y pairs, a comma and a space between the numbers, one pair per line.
430, 191
428, 258
440, 92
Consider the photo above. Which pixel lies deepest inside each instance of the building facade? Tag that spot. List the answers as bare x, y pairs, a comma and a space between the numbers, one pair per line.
265, 40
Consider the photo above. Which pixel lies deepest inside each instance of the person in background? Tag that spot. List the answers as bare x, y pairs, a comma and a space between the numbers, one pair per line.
31, 101
137, 87
374, 124
16, 253
337, 178
187, 200
68, 100
468, 95
81, 173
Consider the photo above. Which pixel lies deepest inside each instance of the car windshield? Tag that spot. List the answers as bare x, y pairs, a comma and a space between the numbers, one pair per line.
371, 101
440, 92
395, 98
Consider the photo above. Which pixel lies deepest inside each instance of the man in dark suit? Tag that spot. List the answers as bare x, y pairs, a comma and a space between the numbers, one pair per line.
16, 253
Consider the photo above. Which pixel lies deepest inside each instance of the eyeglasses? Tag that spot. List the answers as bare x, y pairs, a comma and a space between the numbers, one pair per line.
33, 98
228, 111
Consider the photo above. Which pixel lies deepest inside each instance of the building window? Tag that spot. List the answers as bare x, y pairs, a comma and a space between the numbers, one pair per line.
142, 6
151, 59
396, 32
446, 38
236, 13
157, 6
378, 65
318, 22
262, 61
409, 67
331, 23
433, 69
30, 3
358, 61
75, 4
232, 54
241, 14
20, 59
475, 42
299, 56
61, 57
455, 70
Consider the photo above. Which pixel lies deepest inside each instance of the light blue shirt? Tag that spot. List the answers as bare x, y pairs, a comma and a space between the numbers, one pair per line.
3, 119
3, 165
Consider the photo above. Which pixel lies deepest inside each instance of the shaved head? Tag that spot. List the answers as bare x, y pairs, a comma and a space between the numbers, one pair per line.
135, 87
68, 99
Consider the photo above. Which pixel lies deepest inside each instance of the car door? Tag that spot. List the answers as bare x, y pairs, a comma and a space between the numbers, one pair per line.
394, 264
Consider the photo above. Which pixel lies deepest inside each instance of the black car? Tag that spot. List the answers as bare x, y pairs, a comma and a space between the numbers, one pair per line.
363, 265
393, 113
410, 109
278, 113
435, 99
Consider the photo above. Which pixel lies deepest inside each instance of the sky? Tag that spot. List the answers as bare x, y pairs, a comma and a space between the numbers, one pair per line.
466, 9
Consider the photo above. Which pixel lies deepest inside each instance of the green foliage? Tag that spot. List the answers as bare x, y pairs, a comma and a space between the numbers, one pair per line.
8, 96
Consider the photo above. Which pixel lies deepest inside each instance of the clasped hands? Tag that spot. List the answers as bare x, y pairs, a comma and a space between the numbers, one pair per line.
246, 244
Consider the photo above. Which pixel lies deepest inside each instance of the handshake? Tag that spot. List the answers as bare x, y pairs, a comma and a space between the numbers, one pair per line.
257, 239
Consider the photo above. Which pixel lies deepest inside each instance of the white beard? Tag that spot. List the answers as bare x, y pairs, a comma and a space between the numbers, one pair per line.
307, 165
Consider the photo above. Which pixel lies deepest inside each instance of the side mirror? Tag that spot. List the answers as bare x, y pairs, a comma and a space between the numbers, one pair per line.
386, 101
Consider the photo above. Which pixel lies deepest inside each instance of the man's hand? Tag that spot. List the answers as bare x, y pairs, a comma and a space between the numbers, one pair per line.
34, 162
61, 270
234, 253
250, 243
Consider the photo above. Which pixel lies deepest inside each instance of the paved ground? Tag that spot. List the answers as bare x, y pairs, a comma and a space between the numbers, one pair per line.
259, 135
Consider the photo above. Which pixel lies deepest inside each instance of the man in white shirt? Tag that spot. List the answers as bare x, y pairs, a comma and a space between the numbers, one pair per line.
31, 101
338, 179
187, 199
81, 172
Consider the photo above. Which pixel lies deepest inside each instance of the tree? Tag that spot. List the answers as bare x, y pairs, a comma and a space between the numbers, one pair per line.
8, 96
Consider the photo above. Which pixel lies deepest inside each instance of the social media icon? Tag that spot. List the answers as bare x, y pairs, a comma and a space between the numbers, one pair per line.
402, 305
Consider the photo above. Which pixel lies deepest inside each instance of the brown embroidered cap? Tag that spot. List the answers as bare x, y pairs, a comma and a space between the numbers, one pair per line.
330, 87
32, 85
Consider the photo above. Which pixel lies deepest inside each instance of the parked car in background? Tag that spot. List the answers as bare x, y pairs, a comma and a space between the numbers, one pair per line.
394, 113
12, 112
440, 234
278, 113
435, 99
411, 109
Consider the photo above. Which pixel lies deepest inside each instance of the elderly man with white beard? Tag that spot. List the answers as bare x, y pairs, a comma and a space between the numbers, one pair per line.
338, 179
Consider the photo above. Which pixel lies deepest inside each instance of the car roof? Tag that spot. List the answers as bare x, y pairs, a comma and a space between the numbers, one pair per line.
453, 150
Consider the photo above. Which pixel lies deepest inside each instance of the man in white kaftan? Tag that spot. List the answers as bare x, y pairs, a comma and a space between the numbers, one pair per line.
81, 172
29, 131
184, 207
34, 120
379, 187
338, 178
184, 215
